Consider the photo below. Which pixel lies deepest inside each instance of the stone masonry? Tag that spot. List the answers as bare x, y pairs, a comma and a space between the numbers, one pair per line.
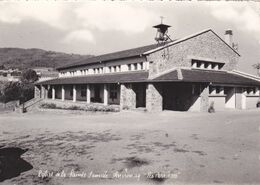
127, 97
204, 104
206, 45
154, 99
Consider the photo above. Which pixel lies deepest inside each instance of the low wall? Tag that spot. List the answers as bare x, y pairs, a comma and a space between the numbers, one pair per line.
251, 102
219, 102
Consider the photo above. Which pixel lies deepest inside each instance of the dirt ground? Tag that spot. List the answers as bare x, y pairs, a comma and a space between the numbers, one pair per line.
135, 147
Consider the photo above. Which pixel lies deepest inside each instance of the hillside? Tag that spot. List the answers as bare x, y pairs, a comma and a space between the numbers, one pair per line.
29, 58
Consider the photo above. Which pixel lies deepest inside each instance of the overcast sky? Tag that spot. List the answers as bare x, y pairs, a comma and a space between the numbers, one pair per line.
102, 27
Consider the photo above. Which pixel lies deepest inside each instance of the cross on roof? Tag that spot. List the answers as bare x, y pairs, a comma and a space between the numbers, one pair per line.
162, 19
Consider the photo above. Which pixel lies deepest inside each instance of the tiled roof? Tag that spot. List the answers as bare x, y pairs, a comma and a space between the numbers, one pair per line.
144, 50
193, 75
113, 56
182, 75
105, 78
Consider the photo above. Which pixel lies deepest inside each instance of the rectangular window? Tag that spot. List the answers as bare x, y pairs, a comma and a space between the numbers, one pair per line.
251, 90
119, 68
135, 66
141, 66
129, 67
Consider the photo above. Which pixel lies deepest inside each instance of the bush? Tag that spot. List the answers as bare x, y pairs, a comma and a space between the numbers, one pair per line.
73, 107
48, 106
211, 108
90, 108
258, 104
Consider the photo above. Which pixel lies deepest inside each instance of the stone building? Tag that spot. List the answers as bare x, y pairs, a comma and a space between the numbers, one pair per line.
187, 74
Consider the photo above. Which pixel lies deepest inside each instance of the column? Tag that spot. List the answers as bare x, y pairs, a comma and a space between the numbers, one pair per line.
37, 92
74, 93
154, 98
105, 94
204, 95
62, 93
88, 93
53, 92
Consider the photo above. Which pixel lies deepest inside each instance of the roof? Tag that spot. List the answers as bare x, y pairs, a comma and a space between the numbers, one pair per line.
104, 78
180, 75
197, 75
144, 50
113, 56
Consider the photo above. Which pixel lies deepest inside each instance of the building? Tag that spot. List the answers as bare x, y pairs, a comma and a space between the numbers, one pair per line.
11, 75
187, 74
46, 73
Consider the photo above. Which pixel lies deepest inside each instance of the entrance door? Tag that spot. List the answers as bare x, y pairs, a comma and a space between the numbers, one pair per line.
140, 92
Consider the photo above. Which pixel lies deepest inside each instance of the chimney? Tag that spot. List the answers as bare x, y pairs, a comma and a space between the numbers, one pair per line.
229, 37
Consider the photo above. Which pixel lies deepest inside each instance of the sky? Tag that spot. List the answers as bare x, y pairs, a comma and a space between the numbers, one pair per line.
98, 27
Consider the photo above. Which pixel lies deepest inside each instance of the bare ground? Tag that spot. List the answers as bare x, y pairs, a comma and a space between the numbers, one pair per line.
135, 147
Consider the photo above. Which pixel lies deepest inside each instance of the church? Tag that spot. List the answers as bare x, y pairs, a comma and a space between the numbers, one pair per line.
188, 74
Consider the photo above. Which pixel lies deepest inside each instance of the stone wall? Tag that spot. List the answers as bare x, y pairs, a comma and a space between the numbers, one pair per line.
206, 45
43, 91
154, 99
204, 97
37, 91
127, 97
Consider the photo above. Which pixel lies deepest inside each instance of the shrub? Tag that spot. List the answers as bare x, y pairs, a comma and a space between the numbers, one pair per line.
90, 108
258, 104
74, 107
48, 106
211, 108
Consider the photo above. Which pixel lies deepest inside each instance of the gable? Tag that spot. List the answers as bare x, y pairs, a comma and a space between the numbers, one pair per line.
205, 45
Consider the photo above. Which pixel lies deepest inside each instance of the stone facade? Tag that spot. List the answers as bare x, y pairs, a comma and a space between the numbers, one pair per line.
204, 97
37, 91
127, 97
206, 45
43, 91
154, 99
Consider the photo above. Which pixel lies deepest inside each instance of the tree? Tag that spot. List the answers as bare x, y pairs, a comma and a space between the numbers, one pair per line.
29, 76
257, 67
10, 91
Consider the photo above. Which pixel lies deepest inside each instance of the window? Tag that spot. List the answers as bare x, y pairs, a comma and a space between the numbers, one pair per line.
113, 91
216, 90
141, 66
129, 67
119, 68
251, 90
114, 67
110, 69
207, 65
83, 91
135, 66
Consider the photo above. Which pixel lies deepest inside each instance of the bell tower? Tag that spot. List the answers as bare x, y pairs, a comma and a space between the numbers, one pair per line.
162, 32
